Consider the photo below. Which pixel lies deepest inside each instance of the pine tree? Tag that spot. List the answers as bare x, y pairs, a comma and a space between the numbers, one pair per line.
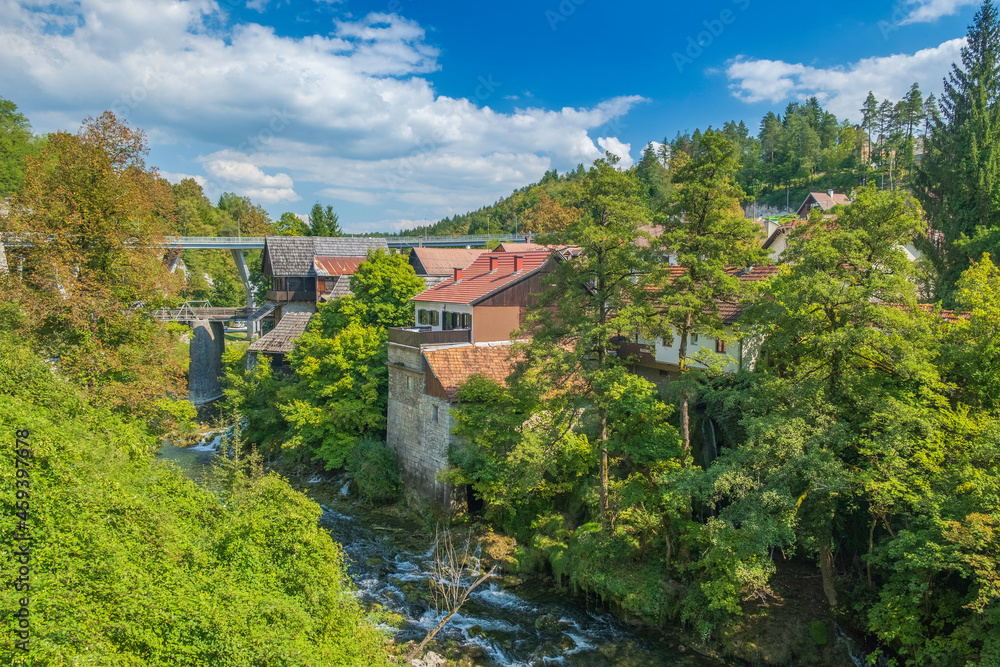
960, 173
324, 222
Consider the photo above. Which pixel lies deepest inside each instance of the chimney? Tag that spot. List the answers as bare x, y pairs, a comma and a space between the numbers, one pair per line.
458, 275
830, 192
494, 263
518, 263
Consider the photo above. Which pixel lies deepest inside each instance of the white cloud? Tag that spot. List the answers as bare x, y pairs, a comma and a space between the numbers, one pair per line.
348, 112
615, 147
248, 179
842, 89
175, 177
926, 11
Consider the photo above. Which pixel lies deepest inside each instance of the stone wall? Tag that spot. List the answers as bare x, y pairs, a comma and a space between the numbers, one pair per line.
418, 429
208, 342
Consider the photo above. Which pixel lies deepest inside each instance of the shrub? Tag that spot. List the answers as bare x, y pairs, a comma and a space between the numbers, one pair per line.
375, 471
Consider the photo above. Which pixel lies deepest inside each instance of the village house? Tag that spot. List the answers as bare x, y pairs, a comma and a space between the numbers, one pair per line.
304, 271
824, 200
659, 361
462, 326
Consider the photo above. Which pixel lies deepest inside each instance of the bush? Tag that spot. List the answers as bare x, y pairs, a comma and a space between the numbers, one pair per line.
375, 471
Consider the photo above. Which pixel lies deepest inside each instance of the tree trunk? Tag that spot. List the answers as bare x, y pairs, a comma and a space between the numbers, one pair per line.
826, 569
682, 364
603, 444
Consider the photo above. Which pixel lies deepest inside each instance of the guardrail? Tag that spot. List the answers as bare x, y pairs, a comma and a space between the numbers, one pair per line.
414, 337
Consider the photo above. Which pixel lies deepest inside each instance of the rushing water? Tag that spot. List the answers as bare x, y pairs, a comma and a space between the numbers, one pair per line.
518, 626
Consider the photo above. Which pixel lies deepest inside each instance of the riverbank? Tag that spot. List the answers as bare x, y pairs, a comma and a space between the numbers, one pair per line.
530, 619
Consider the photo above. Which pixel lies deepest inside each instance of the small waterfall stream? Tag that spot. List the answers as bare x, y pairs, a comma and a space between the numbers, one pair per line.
511, 627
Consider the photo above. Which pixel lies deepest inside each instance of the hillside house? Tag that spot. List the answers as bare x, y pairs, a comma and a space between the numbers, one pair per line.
824, 200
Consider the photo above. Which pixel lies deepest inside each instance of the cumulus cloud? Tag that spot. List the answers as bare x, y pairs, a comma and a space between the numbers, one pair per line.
615, 147
842, 89
246, 178
925, 11
348, 112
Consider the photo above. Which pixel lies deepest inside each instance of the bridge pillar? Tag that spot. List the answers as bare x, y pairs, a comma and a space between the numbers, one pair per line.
208, 342
241, 267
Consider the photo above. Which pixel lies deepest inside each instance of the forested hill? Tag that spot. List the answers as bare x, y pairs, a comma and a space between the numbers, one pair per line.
805, 148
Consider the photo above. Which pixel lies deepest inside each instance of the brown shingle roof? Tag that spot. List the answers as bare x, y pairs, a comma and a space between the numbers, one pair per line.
281, 339
825, 201
286, 256
452, 366
442, 261
478, 282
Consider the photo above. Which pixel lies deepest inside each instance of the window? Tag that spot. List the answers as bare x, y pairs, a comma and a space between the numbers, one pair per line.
435, 320
435, 413
466, 321
449, 321
668, 342
409, 383
694, 338
720, 345
421, 316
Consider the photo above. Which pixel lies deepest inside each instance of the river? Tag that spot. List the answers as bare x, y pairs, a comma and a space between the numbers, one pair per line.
499, 626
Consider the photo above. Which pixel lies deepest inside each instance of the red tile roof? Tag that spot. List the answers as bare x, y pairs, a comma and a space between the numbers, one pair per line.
477, 282
337, 266
452, 366
441, 261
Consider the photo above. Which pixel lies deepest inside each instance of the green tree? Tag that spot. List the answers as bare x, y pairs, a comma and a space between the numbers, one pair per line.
339, 392
292, 225
16, 143
324, 222
708, 235
576, 321
960, 173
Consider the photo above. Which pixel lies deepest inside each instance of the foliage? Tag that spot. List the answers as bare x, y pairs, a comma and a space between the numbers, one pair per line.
959, 180
376, 473
87, 289
133, 564
17, 143
323, 222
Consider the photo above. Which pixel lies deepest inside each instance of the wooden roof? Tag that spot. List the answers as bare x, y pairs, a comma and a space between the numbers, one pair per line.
281, 339
442, 261
286, 256
478, 282
452, 366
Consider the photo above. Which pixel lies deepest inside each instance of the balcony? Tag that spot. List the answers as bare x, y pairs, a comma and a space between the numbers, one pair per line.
291, 295
417, 336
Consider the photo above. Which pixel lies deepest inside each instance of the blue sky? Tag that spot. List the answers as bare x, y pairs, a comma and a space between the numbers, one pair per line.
400, 112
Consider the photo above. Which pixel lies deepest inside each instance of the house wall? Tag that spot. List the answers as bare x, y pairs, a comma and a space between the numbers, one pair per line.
441, 308
669, 355
418, 428
494, 323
